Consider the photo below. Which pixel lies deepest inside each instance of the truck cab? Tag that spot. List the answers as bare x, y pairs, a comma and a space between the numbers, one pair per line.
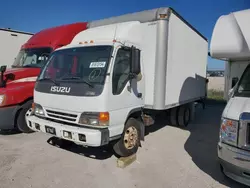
231, 42
17, 82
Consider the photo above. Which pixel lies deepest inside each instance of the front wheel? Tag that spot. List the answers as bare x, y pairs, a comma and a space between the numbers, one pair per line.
21, 120
130, 139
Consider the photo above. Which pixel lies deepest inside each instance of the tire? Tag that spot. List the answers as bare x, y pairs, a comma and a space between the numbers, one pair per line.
21, 124
123, 148
184, 115
174, 116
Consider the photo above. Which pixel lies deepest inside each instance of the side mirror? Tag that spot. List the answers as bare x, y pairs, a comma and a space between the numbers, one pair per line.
10, 76
3, 68
234, 81
135, 67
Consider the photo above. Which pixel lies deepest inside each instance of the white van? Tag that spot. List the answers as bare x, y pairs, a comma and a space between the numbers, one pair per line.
231, 42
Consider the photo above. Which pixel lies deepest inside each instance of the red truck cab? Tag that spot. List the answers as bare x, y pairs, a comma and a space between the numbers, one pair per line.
17, 83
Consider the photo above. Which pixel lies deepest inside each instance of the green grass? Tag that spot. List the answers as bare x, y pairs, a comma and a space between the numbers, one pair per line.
215, 95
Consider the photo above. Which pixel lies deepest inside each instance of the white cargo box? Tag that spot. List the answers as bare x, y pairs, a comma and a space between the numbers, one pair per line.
10, 44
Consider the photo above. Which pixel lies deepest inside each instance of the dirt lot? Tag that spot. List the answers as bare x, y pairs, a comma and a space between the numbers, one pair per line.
216, 83
170, 157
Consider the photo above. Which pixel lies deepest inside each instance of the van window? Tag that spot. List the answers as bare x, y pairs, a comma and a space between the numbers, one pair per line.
243, 88
121, 71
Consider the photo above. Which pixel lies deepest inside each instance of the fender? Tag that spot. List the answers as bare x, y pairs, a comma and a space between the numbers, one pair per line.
18, 92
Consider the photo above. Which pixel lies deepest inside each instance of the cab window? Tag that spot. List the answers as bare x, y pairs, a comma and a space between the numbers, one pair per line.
121, 71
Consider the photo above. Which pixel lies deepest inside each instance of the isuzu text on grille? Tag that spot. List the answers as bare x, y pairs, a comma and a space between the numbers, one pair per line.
60, 89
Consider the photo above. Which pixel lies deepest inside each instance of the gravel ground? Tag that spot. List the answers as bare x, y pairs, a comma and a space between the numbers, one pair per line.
169, 157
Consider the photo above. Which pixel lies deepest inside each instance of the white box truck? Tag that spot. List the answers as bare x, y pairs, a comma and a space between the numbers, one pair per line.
10, 44
109, 83
231, 42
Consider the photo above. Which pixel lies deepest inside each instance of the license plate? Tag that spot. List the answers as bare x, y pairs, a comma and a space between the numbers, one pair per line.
50, 130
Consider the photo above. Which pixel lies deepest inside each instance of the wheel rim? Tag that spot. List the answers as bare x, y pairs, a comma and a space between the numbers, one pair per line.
130, 137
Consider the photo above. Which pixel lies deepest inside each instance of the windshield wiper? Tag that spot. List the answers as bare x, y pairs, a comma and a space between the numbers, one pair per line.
78, 78
44, 79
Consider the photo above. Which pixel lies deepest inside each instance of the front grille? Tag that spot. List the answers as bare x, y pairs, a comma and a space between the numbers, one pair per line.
61, 115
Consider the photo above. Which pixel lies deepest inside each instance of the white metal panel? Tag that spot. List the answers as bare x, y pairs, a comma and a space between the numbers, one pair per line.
10, 44
231, 36
186, 63
148, 47
100, 34
126, 31
142, 16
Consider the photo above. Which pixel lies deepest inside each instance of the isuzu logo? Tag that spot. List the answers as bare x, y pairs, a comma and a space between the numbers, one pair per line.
60, 89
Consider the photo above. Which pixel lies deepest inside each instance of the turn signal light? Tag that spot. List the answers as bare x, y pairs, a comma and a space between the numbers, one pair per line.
33, 106
103, 116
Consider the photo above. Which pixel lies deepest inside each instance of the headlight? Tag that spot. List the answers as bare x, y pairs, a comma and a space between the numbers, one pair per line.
94, 118
38, 109
229, 131
2, 99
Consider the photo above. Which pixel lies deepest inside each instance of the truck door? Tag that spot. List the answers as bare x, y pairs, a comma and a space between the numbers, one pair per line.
126, 94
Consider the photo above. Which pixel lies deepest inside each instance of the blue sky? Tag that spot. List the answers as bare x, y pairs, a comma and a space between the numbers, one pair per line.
32, 16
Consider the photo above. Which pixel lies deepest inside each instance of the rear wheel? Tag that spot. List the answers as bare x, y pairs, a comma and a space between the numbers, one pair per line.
184, 115
130, 139
174, 116
21, 120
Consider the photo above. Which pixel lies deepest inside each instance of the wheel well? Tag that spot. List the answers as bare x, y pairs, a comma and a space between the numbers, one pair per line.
26, 100
136, 115
20, 108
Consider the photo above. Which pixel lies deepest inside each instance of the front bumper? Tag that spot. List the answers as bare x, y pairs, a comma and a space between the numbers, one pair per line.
235, 163
93, 137
7, 117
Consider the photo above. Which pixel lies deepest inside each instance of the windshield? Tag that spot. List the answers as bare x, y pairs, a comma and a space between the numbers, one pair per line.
32, 57
243, 88
82, 64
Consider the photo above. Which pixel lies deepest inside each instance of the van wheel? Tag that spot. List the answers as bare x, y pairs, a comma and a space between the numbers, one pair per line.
21, 120
130, 139
174, 116
184, 115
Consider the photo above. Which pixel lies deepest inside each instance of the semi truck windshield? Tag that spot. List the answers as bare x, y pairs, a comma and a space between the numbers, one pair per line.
32, 57
86, 65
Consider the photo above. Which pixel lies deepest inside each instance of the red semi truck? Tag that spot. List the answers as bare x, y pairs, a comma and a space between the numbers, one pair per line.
17, 83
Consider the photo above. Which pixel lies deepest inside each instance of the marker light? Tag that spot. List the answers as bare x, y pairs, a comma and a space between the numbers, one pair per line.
162, 16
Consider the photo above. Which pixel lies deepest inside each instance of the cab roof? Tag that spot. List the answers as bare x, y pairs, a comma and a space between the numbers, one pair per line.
56, 36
